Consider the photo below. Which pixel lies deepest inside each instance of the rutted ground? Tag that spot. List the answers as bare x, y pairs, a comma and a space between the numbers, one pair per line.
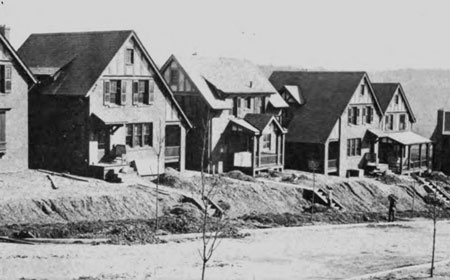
319, 252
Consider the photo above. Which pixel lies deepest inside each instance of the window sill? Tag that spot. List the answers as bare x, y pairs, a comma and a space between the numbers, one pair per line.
142, 105
139, 148
114, 105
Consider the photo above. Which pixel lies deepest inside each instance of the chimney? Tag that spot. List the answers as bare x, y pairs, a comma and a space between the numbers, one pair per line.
5, 30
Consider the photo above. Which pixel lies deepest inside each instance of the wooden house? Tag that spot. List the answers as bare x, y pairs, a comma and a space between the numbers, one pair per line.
328, 119
15, 82
101, 106
399, 147
441, 140
233, 108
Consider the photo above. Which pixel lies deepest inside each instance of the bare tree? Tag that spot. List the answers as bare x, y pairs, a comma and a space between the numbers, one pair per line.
161, 141
434, 205
211, 227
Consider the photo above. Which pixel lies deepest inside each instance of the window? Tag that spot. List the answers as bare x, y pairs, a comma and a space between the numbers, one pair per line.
129, 136
354, 147
248, 102
139, 135
402, 124
2, 131
101, 139
353, 115
114, 92
5, 78
129, 56
389, 121
363, 90
143, 91
267, 142
447, 122
397, 99
369, 114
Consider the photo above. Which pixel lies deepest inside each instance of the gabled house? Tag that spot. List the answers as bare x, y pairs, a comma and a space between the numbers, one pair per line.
402, 150
328, 119
441, 140
102, 105
234, 108
15, 82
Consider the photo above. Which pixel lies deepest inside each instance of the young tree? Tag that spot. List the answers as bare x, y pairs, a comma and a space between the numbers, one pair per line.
211, 227
161, 141
434, 205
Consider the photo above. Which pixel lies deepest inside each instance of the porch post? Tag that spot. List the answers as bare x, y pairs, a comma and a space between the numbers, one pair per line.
409, 157
420, 156
283, 148
428, 155
325, 158
259, 151
278, 149
401, 158
254, 154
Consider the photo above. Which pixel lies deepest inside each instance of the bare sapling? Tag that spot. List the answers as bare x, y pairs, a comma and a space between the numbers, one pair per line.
161, 141
434, 205
211, 227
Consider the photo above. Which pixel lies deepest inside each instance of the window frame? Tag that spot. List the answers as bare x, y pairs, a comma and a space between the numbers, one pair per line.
354, 146
129, 56
267, 142
138, 136
402, 125
5, 78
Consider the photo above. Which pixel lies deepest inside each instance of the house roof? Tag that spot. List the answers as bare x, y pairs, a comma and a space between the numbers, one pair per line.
245, 125
260, 121
80, 57
326, 95
385, 93
78, 60
294, 91
28, 74
403, 137
214, 77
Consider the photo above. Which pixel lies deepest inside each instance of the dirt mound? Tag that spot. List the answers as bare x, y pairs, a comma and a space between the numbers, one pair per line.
390, 178
239, 175
176, 180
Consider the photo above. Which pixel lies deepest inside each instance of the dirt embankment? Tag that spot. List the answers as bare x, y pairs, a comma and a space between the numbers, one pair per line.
100, 209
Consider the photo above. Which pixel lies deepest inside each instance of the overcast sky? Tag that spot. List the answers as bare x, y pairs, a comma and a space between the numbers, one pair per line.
334, 34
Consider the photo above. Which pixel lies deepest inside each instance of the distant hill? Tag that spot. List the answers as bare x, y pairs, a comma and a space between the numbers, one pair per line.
428, 90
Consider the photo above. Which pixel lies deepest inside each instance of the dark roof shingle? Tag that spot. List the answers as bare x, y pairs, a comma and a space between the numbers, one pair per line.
326, 95
384, 93
259, 121
79, 57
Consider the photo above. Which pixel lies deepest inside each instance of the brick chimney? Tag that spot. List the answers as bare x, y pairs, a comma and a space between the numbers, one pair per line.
5, 30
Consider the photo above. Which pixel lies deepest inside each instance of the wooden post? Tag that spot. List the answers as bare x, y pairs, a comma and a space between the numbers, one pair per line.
259, 151
278, 149
409, 157
420, 156
283, 149
428, 156
401, 159
254, 154
325, 158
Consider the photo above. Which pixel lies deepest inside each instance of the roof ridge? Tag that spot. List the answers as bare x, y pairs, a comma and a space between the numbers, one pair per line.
82, 32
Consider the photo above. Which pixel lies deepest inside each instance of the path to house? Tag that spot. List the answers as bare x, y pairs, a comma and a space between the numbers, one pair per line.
319, 252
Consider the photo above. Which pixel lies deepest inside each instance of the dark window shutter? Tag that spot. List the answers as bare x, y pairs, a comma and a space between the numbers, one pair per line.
2, 78
371, 114
106, 92
146, 92
135, 92
349, 147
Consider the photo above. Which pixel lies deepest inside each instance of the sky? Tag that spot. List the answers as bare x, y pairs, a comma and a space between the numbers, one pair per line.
332, 34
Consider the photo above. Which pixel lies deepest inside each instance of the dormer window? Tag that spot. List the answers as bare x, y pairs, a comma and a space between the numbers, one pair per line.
129, 57
5, 78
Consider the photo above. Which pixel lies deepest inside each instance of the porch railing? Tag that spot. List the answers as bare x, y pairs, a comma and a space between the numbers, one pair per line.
269, 159
332, 163
172, 152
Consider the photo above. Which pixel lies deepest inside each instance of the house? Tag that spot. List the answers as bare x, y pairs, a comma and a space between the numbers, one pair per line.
400, 148
441, 140
101, 106
328, 119
235, 112
15, 82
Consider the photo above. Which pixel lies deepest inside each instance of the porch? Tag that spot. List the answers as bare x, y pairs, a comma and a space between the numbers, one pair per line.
253, 150
402, 152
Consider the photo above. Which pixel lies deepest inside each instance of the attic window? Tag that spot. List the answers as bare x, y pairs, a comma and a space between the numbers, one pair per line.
129, 57
397, 99
363, 90
447, 122
5, 78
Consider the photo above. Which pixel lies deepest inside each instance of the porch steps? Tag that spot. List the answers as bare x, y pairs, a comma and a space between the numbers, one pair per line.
430, 187
324, 197
318, 192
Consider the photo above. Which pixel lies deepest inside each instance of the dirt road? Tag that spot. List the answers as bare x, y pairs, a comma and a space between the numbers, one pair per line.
320, 252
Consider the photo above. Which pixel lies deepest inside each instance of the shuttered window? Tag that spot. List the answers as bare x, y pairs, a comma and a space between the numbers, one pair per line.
106, 91
5, 78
